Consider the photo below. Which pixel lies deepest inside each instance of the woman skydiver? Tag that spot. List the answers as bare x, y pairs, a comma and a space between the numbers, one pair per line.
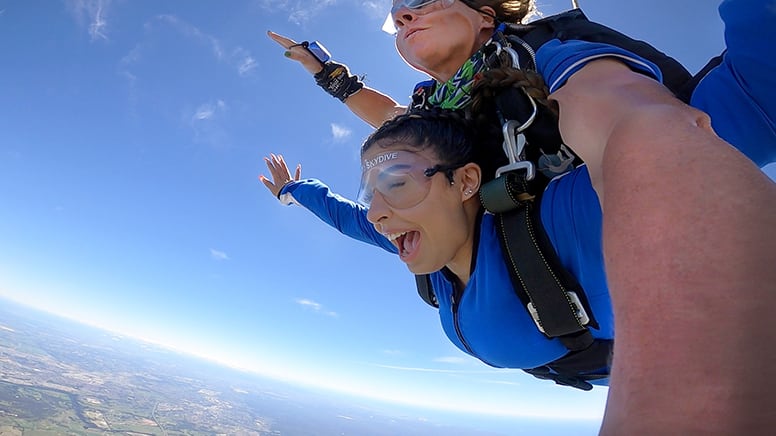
485, 319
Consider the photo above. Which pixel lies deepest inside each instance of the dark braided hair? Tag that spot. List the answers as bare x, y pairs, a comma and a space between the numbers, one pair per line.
450, 134
510, 88
494, 80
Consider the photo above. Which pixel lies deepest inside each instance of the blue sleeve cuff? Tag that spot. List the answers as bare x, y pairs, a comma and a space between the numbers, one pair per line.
285, 195
558, 60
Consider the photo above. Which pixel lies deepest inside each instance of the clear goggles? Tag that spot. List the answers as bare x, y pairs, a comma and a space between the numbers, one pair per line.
418, 7
402, 178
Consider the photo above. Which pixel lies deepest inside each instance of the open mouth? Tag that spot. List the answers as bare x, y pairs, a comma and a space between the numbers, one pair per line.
406, 242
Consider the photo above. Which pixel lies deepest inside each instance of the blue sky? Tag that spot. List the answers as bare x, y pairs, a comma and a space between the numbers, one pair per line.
131, 137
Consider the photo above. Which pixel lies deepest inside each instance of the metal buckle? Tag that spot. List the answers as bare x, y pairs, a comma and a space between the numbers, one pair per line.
579, 311
514, 142
505, 48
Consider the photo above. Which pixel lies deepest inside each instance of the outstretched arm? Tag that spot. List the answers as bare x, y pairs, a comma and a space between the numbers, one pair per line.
368, 104
347, 217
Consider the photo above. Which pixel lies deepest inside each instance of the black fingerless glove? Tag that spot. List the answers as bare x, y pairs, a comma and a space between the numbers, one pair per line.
337, 81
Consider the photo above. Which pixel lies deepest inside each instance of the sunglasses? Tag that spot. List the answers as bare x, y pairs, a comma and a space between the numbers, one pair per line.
416, 6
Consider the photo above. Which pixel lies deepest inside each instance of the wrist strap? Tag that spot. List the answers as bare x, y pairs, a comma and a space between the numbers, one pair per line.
336, 79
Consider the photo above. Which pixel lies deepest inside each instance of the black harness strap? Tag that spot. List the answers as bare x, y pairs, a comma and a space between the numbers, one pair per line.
550, 293
537, 280
575, 370
425, 290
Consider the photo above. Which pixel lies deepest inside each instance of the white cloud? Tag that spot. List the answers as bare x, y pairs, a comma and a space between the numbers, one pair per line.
206, 121
208, 110
452, 359
339, 132
125, 71
303, 11
309, 303
501, 382
192, 31
238, 57
421, 369
244, 61
218, 255
376, 8
316, 307
131, 58
246, 66
204, 112
92, 15
306, 10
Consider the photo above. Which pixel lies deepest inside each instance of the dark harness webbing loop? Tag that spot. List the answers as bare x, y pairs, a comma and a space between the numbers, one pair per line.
539, 280
577, 369
425, 290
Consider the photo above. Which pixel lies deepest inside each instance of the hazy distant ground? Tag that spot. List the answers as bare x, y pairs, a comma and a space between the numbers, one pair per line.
59, 377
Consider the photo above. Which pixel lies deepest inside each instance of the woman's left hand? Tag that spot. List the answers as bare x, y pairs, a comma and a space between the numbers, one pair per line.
281, 176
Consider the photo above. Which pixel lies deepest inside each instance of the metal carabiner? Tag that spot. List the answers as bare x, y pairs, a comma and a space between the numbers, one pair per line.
510, 51
514, 143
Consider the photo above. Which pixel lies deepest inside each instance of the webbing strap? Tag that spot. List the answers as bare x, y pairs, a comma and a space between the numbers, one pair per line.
577, 369
539, 279
425, 289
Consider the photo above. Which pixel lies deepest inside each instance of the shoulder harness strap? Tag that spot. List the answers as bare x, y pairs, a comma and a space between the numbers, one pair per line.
426, 290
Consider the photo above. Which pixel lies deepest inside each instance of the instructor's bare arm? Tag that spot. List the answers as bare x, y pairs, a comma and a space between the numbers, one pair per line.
606, 100
688, 246
374, 107
370, 105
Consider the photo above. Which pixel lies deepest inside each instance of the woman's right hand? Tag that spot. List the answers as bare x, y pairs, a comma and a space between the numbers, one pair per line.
281, 176
297, 52
368, 104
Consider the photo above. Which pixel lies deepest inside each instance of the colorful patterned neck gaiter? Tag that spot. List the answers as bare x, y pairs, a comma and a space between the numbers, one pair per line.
456, 92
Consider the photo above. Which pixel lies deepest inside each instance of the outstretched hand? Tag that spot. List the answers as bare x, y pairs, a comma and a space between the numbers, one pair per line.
297, 52
280, 174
